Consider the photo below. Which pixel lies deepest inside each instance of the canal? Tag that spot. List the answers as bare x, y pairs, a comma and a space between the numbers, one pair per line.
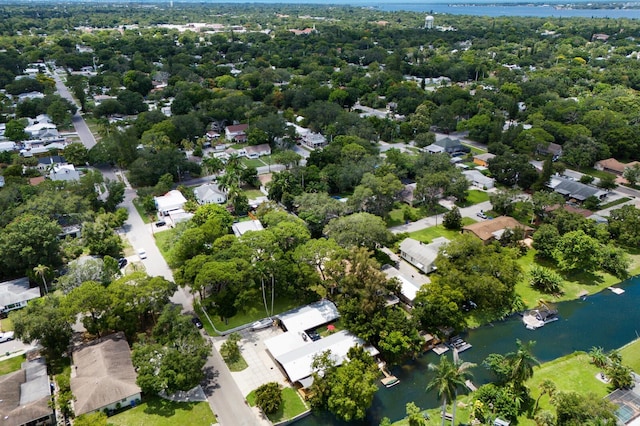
604, 319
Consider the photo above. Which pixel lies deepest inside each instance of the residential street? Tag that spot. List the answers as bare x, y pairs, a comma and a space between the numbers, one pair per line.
82, 129
426, 222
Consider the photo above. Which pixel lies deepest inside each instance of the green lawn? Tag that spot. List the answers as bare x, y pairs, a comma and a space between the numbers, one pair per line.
631, 355
6, 324
163, 239
574, 283
397, 215
474, 150
145, 217
614, 203
252, 313
428, 234
253, 193
239, 365
11, 364
252, 162
475, 197
291, 406
155, 411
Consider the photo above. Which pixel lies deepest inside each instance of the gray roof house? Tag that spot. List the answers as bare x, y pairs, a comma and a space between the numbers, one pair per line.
421, 255
478, 179
448, 145
15, 294
103, 377
576, 190
26, 394
209, 193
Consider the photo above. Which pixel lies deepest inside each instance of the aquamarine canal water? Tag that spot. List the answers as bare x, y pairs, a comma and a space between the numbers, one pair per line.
605, 319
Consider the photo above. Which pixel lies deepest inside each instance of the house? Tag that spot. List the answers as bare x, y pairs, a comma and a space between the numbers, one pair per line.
482, 160
314, 140
478, 179
614, 166
179, 215
26, 395
409, 286
294, 354
48, 163
627, 402
172, 200
64, 172
552, 149
209, 193
575, 190
407, 194
30, 96
493, 229
41, 127
448, 145
15, 294
255, 151
309, 317
103, 377
421, 255
236, 133
7, 146
240, 228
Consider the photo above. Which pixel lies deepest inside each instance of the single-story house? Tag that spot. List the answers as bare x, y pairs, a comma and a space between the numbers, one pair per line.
421, 255
628, 403
309, 317
294, 354
448, 145
30, 96
16, 293
209, 193
64, 172
237, 133
493, 229
409, 286
478, 179
406, 194
576, 190
172, 200
552, 149
26, 395
240, 228
47, 163
179, 215
103, 377
614, 166
7, 146
483, 159
255, 151
314, 140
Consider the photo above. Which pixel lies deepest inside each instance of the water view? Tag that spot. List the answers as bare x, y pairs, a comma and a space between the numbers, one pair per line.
605, 319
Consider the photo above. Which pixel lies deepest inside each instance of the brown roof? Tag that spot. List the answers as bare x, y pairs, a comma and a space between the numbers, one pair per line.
104, 374
612, 164
485, 230
25, 394
36, 180
237, 128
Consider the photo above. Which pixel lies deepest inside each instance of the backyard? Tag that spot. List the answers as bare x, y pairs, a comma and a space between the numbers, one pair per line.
155, 411
428, 234
292, 405
11, 364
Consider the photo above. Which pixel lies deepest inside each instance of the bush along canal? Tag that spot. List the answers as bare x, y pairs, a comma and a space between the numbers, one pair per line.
605, 319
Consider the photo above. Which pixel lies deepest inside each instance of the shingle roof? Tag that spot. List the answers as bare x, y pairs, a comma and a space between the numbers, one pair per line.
104, 374
25, 394
487, 229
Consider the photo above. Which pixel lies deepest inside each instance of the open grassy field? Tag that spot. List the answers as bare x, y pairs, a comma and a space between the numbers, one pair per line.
155, 411
397, 215
249, 162
292, 405
163, 238
475, 197
11, 364
6, 324
631, 355
574, 283
428, 234
253, 193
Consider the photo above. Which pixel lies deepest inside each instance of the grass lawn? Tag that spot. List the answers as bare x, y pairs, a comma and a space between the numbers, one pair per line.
145, 217
631, 355
428, 234
11, 364
291, 406
396, 216
163, 239
155, 411
249, 162
573, 284
475, 197
252, 313
6, 324
474, 150
239, 365
252, 194
614, 203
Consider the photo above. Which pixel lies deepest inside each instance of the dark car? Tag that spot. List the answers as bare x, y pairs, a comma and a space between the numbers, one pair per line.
160, 223
122, 262
313, 335
196, 321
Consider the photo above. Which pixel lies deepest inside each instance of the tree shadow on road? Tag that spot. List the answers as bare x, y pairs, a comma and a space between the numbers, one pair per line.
210, 382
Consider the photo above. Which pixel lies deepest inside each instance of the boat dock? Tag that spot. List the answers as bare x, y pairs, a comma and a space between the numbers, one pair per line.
616, 290
458, 344
389, 380
440, 349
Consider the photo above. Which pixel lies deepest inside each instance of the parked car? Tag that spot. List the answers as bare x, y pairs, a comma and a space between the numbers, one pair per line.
160, 223
122, 262
142, 253
481, 215
313, 335
6, 336
196, 321
259, 325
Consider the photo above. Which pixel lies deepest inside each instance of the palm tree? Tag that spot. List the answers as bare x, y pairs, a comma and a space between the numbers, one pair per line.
449, 377
41, 271
598, 357
546, 387
521, 363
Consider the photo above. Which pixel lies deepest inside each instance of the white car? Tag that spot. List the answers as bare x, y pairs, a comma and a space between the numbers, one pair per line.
6, 336
259, 325
142, 253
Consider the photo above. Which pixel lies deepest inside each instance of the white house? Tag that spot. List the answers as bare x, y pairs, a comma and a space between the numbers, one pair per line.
209, 193
64, 172
236, 132
478, 179
421, 255
16, 293
255, 151
241, 228
172, 200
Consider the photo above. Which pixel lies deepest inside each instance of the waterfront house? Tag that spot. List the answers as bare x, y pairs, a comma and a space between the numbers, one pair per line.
421, 255
493, 229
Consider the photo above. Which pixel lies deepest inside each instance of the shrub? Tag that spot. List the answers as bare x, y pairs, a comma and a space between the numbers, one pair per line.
269, 397
229, 350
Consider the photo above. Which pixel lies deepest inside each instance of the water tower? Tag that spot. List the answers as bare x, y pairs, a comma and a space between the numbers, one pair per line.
428, 22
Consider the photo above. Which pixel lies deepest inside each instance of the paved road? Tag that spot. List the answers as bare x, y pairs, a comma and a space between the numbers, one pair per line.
80, 125
427, 222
